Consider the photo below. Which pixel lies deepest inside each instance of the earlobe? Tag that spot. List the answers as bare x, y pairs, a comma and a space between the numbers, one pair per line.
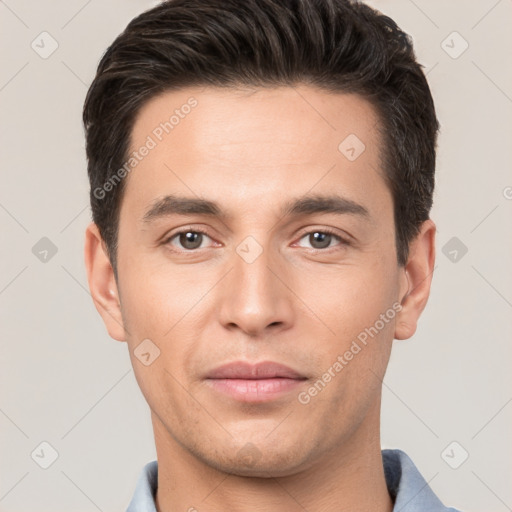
102, 283
418, 275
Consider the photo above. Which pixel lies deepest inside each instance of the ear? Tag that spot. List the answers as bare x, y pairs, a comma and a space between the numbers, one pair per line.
102, 283
416, 280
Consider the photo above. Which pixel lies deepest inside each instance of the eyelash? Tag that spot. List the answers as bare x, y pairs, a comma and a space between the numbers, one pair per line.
326, 231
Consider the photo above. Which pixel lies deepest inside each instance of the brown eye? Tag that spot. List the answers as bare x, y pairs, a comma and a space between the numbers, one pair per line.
191, 239
188, 240
321, 239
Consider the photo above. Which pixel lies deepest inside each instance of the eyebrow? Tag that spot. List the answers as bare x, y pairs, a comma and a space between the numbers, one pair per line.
305, 205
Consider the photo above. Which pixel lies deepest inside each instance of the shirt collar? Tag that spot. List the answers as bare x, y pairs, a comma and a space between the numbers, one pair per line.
406, 486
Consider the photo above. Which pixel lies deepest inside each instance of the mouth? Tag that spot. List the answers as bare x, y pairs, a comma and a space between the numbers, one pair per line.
261, 382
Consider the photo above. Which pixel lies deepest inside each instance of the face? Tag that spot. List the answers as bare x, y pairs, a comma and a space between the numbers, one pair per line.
257, 260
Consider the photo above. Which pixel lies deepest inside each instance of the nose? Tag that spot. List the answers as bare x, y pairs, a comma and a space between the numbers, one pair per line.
256, 296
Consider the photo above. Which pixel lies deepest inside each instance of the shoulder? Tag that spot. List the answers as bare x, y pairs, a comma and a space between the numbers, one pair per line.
407, 486
143, 499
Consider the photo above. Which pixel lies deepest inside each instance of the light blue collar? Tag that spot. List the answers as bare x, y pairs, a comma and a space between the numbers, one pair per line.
406, 486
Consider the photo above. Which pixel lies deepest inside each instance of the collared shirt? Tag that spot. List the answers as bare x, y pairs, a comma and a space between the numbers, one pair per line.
406, 486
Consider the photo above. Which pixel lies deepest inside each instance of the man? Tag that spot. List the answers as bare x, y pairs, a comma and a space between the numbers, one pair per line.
261, 178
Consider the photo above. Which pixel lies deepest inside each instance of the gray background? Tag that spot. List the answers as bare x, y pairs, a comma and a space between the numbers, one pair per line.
63, 381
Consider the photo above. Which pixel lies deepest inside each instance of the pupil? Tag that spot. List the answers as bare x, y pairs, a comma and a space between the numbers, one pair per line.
191, 238
324, 239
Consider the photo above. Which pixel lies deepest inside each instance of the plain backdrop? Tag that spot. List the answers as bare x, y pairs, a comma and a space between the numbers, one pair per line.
447, 393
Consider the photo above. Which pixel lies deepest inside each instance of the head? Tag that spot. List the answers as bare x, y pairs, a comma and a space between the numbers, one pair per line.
295, 141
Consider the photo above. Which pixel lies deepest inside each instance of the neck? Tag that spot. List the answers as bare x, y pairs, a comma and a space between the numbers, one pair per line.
350, 478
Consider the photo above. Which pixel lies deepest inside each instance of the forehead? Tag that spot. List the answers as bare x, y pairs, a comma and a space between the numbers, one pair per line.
255, 144
256, 114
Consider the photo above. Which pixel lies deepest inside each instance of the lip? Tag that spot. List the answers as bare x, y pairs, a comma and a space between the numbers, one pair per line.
260, 382
248, 371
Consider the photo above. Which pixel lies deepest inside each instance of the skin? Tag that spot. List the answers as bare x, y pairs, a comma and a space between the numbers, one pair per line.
252, 151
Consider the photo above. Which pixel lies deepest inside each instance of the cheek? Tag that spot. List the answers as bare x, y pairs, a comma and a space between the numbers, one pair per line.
160, 307
167, 305
355, 306
351, 298
155, 299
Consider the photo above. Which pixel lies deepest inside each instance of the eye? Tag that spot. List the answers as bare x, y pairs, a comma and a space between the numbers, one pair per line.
192, 239
189, 239
321, 239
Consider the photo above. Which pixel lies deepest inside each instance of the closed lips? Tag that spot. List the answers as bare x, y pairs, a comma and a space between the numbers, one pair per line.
259, 371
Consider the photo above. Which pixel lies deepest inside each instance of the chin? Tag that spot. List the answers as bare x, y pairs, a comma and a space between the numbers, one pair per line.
257, 462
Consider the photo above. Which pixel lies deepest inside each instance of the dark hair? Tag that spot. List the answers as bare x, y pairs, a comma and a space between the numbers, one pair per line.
336, 45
